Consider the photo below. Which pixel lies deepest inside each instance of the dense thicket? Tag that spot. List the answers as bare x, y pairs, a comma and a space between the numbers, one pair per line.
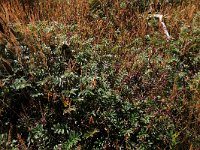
79, 74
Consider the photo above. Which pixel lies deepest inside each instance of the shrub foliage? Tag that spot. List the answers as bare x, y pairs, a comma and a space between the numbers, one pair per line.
92, 74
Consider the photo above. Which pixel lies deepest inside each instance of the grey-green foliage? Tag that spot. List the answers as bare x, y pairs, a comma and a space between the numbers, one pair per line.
72, 141
38, 135
5, 144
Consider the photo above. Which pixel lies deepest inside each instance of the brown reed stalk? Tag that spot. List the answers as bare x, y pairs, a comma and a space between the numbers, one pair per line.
9, 135
22, 142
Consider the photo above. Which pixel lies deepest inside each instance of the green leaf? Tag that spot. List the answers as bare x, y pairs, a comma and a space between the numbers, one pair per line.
71, 142
20, 83
90, 133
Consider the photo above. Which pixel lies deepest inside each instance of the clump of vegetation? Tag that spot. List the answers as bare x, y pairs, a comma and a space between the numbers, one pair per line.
93, 74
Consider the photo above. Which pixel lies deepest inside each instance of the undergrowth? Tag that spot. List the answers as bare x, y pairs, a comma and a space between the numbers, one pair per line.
90, 74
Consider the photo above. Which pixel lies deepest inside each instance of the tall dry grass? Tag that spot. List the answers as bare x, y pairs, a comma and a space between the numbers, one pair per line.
131, 23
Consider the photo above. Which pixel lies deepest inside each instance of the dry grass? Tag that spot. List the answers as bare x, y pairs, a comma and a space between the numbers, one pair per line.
130, 23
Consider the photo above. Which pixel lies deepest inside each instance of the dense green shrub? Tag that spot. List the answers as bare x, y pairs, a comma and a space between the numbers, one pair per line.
143, 94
